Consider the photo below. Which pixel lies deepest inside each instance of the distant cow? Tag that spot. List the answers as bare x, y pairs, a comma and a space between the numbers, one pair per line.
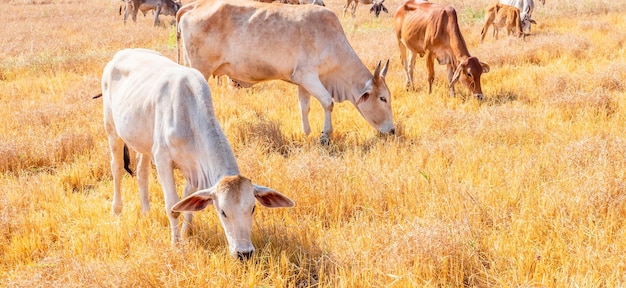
164, 111
431, 29
306, 46
525, 7
377, 6
499, 16
161, 7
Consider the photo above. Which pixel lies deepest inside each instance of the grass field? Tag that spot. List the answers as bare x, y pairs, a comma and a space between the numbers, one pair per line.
526, 188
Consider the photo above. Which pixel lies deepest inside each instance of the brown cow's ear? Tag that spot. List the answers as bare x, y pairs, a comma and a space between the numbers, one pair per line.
196, 201
485, 66
457, 74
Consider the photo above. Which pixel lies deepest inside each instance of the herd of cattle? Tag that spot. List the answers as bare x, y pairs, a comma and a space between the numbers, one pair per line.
164, 110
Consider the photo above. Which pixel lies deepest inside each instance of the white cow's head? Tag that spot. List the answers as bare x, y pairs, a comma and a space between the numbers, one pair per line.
375, 102
233, 198
377, 7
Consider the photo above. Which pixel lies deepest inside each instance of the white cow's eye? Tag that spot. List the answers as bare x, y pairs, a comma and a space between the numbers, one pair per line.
253, 208
224, 214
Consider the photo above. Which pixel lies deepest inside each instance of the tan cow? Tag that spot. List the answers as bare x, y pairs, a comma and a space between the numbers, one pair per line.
306, 46
431, 29
499, 16
160, 7
164, 112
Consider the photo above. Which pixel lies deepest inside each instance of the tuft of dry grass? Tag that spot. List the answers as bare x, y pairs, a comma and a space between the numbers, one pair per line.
525, 188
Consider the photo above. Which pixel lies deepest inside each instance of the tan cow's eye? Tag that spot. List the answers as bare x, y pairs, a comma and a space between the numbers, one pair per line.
469, 75
383, 99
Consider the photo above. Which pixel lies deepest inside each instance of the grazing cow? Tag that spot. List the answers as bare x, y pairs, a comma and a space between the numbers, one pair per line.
377, 7
500, 15
316, 56
164, 111
162, 7
525, 7
431, 29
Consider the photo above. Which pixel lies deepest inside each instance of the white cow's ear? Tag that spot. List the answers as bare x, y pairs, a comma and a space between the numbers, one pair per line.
196, 201
271, 198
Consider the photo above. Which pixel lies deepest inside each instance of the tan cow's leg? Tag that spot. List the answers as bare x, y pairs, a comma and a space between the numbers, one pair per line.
305, 106
313, 85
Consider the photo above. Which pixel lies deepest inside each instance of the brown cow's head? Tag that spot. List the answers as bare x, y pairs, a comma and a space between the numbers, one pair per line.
375, 102
469, 71
378, 6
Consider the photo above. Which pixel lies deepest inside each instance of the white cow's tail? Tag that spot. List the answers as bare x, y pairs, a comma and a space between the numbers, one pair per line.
127, 161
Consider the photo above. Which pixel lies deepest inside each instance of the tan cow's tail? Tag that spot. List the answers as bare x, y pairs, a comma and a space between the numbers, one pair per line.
180, 14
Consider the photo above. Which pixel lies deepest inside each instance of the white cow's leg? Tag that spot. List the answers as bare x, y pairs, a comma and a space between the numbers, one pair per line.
143, 178
312, 84
166, 177
187, 227
305, 106
117, 165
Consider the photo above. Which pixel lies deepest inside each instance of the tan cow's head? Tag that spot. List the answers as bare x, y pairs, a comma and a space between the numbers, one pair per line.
233, 198
469, 71
375, 102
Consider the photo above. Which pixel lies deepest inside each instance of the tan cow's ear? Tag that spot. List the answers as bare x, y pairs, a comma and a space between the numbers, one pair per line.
383, 73
270, 198
485, 66
196, 201
377, 71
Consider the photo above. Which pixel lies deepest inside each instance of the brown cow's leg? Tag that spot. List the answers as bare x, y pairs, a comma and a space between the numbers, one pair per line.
430, 66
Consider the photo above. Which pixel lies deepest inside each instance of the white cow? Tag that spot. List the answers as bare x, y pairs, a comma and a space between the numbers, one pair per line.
525, 7
164, 111
304, 45
377, 6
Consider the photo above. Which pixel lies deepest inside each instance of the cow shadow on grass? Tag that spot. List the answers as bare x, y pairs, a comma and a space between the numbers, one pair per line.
274, 243
268, 136
501, 97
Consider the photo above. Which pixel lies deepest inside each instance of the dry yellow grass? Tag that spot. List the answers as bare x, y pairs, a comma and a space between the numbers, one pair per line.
527, 188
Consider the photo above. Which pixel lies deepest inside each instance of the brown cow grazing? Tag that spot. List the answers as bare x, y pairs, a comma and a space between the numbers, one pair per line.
316, 55
161, 7
431, 29
500, 15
